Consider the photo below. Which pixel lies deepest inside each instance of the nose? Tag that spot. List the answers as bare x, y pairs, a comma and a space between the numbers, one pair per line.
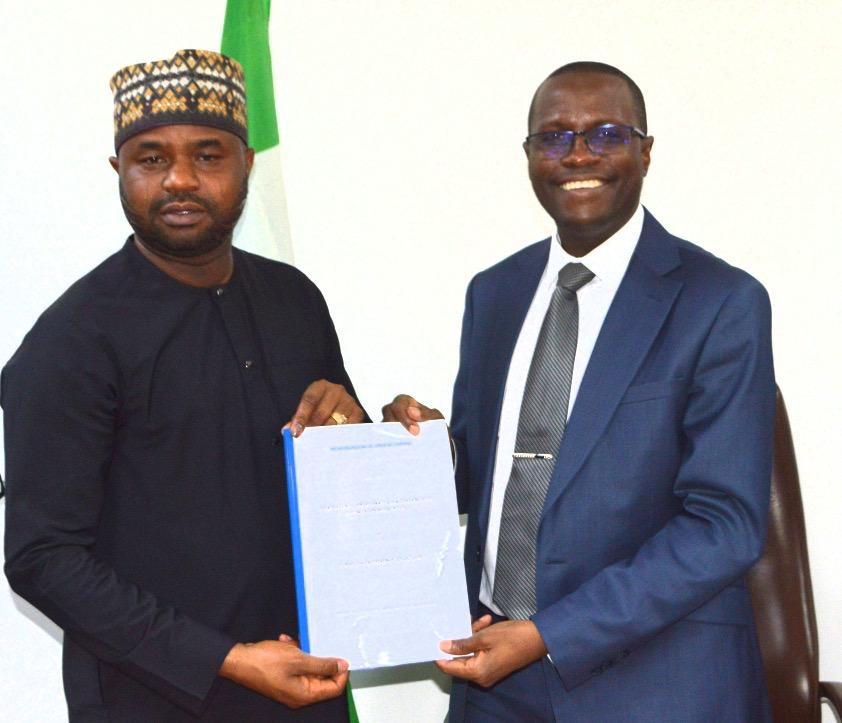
579, 154
181, 176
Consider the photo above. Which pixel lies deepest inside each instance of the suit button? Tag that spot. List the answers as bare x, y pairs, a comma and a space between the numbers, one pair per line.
479, 553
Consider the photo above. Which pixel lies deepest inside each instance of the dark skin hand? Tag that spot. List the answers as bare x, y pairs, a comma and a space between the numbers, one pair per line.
278, 670
318, 402
409, 412
494, 651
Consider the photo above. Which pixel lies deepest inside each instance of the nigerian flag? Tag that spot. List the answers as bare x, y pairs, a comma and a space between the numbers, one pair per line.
264, 227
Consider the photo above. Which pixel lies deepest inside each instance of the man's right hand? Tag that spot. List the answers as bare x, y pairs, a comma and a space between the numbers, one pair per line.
279, 670
409, 412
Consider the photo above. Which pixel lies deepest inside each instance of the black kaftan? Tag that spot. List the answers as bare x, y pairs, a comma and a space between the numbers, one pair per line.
146, 510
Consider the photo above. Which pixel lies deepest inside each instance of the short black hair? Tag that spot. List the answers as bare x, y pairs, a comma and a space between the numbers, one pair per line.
592, 66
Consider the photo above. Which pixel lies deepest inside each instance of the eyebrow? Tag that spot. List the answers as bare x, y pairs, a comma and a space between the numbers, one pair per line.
157, 145
205, 143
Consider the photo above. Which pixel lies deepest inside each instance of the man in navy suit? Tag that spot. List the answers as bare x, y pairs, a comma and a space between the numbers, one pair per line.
657, 499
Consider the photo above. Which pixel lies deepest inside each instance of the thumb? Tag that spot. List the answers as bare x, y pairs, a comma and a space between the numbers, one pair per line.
463, 646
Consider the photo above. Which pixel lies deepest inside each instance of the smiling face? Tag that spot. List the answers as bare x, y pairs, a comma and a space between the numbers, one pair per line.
183, 188
589, 196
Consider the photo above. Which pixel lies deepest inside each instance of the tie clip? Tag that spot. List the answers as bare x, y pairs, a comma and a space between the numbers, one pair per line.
531, 455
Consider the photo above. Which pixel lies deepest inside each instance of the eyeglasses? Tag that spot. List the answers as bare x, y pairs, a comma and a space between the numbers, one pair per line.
609, 137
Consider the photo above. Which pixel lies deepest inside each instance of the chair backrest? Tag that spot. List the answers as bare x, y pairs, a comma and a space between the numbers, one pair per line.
782, 593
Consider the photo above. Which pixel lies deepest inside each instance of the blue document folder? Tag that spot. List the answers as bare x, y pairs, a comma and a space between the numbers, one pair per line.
376, 543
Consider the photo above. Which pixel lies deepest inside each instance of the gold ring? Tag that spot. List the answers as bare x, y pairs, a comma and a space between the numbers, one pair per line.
338, 417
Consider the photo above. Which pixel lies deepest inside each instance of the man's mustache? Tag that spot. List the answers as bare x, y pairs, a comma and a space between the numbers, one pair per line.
205, 203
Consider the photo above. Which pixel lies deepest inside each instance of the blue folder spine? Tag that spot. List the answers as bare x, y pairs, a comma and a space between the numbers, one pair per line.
295, 529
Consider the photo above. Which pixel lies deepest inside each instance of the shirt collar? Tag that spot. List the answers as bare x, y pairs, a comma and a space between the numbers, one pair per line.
609, 260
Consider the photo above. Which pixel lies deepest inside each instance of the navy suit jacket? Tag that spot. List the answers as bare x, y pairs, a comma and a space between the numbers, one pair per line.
658, 502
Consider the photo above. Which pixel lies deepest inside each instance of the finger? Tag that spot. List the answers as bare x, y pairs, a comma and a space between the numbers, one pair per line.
302, 414
324, 688
348, 407
480, 623
396, 410
412, 427
415, 412
356, 415
464, 646
420, 414
284, 638
331, 401
459, 668
431, 413
315, 406
322, 667
406, 410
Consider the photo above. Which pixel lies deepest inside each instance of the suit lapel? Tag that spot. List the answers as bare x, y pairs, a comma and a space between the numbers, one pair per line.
634, 319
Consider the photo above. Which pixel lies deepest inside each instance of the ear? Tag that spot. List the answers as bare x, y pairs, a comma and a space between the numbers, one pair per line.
115, 163
645, 151
249, 159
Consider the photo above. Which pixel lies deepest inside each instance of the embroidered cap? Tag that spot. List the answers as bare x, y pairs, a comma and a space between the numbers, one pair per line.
194, 86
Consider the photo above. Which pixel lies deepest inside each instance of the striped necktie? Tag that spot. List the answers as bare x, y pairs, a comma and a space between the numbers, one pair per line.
543, 417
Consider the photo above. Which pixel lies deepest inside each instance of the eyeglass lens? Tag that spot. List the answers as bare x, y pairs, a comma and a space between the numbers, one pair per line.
600, 140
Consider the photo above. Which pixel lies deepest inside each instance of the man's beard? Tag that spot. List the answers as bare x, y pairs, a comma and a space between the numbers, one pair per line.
158, 238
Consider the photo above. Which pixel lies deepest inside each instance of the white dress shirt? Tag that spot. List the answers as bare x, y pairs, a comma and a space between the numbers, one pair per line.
608, 262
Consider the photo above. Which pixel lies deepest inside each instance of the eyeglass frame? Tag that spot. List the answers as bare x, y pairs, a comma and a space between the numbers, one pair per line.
572, 135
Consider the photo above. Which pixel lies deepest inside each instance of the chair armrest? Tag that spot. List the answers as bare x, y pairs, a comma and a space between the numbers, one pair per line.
832, 695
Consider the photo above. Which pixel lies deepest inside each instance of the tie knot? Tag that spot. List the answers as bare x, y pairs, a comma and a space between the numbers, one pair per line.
574, 276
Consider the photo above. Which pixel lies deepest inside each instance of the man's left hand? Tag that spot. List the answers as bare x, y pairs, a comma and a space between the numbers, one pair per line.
495, 651
321, 404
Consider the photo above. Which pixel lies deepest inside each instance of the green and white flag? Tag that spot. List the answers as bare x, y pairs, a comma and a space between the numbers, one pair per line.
264, 227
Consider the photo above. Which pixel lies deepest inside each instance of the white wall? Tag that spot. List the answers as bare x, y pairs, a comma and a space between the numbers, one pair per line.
401, 123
